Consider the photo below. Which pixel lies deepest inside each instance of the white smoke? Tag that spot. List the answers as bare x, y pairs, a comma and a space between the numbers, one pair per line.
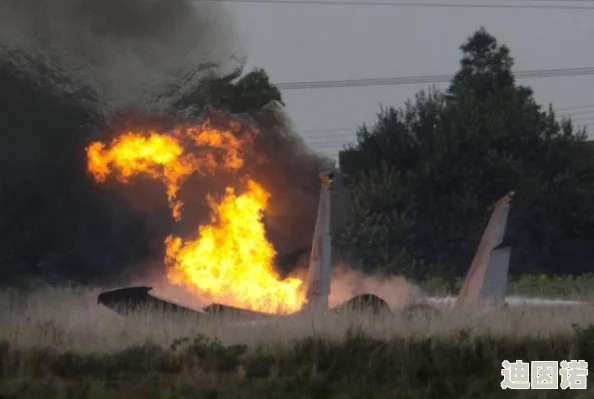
346, 283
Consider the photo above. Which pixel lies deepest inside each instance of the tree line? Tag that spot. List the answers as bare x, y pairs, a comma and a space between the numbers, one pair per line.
420, 180
423, 177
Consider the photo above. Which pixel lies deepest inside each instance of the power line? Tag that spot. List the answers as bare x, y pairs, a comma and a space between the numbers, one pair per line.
550, 1
582, 119
333, 144
574, 115
322, 141
404, 4
553, 1
579, 106
342, 132
337, 129
583, 113
586, 107
320, 136
401, 80
335, 141
589, 122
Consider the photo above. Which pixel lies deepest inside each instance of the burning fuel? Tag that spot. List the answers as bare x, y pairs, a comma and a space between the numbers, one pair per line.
171, 157
230, 261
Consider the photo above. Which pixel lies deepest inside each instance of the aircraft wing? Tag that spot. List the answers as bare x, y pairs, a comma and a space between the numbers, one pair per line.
513, 301
519, 301
226, 310
131, 299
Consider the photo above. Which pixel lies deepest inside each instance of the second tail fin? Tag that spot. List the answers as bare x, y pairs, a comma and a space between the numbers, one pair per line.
486, 279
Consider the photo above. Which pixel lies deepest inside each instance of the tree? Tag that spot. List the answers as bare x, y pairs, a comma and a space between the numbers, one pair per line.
424, 176
285, 166
485, 67
230, 92
52, 218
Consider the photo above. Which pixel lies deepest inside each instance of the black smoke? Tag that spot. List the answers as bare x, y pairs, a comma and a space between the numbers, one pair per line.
73, 71
127, 51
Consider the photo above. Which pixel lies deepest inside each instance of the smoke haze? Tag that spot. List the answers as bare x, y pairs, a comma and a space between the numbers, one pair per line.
86, 69
126, 50
346, 283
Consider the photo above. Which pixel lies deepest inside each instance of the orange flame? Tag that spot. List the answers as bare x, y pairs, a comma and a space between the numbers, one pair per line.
230, 261
162, 157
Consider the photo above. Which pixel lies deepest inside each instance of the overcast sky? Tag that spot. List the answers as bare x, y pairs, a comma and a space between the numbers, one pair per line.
310, 43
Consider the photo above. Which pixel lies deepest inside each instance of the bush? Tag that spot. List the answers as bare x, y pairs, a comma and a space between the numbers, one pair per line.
458, 366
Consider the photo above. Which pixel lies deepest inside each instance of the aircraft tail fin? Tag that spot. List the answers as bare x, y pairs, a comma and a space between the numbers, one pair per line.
486, 280
318, 277
495, 282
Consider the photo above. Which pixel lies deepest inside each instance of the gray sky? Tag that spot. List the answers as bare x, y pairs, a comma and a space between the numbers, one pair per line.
310, 43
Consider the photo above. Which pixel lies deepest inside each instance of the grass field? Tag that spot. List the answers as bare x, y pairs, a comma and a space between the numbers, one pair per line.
61, 344
562, 287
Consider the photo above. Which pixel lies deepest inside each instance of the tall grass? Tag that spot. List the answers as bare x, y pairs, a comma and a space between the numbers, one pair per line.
60, 343
68, 319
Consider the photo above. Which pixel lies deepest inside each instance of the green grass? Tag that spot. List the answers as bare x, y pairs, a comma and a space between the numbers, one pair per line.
59, 343
562, 287
357, 366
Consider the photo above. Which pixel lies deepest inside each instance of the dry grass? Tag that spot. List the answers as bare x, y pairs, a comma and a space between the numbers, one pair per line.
71, 320
62, 344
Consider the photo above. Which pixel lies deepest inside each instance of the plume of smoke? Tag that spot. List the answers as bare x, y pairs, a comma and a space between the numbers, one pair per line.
126, 50
346, 283
290, 173
130, 53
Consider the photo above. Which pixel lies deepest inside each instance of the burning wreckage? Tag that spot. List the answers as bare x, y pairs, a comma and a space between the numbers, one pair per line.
190, 262
317, 292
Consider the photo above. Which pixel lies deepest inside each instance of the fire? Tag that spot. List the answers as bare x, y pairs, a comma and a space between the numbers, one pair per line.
163, 157
230, 260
